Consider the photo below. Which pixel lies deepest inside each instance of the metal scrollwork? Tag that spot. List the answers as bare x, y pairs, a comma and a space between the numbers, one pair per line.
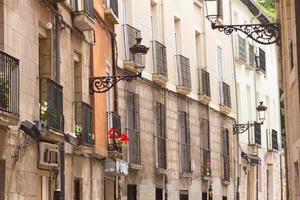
261, 33
104, 83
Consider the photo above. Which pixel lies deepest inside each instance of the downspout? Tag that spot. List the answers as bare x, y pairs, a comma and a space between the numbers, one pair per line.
238, 168
57, 45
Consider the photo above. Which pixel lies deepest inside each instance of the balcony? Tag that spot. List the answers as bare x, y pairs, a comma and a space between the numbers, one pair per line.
114, 122
204, 88
111, 11
225, 106
262, 61
84, 118
251, 57
254, 135
184, 86
272, 140
83, 15
160, 70
130, 35
9, 89
52, 93
241, 56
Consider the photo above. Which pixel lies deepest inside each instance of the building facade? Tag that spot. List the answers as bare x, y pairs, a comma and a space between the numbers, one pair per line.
256, 81
288, 17
47, 50
179, 115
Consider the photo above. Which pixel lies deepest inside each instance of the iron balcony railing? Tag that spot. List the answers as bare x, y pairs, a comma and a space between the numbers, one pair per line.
242, 49
262, 60
272, 139
114, 122
251, 55
88, 7
184, 73
186, 158
84, 118
254, 134
113, 4
159, 58
130, 35
52, 93
225, 98
205, 83
9, 84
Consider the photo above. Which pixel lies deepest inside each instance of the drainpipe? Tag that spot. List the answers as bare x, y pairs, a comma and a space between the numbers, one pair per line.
238, 168
57, 45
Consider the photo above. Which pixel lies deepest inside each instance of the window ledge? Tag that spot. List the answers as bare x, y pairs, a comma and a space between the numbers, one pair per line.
225, 109
183, 90
186, 174
249, 67
52, 135
204, 99
135, 166
7, 119
206, 178
160, 79
225, 182
160, 171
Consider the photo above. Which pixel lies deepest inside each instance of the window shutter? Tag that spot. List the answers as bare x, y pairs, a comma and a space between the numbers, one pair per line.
187, 128
163, 120
158, 119
130, 110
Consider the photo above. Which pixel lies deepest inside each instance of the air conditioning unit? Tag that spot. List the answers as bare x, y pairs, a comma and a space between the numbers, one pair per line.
49, 155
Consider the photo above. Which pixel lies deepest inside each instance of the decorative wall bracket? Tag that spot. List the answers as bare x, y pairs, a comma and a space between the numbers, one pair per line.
104, 83
264, 34
241, 128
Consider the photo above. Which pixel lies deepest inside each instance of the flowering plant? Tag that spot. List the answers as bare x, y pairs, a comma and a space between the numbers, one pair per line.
115, 138
78, 130
206, 169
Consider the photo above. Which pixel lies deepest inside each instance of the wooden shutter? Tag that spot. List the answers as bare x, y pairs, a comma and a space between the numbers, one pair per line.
136, 112
2, 179
159, 194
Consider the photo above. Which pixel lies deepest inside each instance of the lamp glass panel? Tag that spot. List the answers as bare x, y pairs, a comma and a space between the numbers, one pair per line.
139, 60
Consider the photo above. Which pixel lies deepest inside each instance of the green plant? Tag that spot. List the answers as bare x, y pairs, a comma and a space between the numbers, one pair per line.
4, 92
78, 130
47, 112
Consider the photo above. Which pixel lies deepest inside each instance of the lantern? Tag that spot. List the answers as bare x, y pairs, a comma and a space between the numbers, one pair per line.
261, 109
139, 52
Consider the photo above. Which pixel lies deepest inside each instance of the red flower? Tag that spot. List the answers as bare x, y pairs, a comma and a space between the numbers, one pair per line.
124, 137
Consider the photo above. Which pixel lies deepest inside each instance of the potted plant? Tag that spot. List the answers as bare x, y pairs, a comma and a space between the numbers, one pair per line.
4, 92
43, 114
115, 141
78, 133
206, 170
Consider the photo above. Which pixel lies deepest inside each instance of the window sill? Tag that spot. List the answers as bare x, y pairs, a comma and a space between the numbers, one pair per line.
51, 135
183, 90
225, 182
204, 99
225, 109
7, 119
186, 174
160, 79
160, 171
135, 166
206, 178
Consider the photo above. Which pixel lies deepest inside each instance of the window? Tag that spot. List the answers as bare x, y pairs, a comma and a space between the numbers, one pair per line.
159, 59
224, 198
220, 63
109, 189
133, 127
291, 54
204, 196
9, 84
131, 192
161, 135
77, 189
177, 27
198, 48
205, 135
296, 179
159, 194
226, 155
130, 35
85, 6
185, 142
154, 21
183, 195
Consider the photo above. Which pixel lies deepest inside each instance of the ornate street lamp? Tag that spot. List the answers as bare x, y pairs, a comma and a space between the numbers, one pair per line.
266, 33
104, 83
241, 128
